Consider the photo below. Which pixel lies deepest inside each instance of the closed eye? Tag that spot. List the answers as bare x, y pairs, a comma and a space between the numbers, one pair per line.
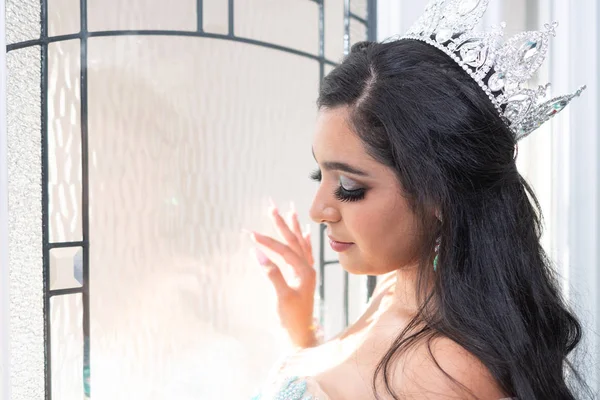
316, 175
341, 193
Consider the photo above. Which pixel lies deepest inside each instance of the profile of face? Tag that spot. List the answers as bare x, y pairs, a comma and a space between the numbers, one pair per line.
369, 221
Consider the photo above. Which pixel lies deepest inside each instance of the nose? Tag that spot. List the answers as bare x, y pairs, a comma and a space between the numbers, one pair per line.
323, 209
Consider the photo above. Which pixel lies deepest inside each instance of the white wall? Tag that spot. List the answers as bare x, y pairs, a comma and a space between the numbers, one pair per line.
4, 295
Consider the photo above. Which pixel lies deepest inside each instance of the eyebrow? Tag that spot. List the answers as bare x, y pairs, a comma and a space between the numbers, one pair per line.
340, 166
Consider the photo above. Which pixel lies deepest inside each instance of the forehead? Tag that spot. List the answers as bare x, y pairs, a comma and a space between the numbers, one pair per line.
334, 139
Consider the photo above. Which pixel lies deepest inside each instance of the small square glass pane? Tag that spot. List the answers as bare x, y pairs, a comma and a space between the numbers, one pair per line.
66, 268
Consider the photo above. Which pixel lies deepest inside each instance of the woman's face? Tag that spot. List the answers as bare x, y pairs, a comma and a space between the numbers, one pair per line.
360, 201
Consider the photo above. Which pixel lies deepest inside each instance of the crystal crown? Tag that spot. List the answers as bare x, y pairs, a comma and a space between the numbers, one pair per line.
500, 69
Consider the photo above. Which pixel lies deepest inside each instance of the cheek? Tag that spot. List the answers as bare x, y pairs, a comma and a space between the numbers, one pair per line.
388, 234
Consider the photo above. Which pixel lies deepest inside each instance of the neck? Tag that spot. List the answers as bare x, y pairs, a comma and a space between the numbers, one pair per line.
404, 298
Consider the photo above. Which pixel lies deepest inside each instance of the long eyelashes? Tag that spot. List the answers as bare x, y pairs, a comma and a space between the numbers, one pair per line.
349, 195
316, 175
340, 193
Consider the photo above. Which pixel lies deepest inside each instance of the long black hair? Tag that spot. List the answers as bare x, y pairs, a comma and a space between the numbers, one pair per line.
495, 291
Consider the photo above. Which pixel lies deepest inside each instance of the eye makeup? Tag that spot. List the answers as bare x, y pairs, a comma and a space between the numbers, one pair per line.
342, 193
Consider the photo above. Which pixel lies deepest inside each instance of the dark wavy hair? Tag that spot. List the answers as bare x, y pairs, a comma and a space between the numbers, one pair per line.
495, 291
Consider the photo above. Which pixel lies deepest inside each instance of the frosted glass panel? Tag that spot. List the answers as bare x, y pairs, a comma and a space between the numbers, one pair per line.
64, 142
141, 14
22, 20
63, 17
334, 29
66, 268
25, 224
185, 147
66, 317
358, 32
215, 15
291, 23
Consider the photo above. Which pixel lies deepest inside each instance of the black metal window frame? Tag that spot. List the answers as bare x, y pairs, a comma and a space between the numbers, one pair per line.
83, 35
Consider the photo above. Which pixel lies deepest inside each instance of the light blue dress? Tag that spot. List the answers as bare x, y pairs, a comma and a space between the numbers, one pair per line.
293, 388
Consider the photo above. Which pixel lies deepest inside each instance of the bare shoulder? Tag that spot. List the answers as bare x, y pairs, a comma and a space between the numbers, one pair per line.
419, 373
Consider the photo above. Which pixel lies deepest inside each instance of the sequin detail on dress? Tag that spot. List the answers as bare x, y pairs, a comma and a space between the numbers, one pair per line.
292, 389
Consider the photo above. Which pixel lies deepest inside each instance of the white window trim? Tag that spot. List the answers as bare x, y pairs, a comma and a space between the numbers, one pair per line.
4, 275
577, 188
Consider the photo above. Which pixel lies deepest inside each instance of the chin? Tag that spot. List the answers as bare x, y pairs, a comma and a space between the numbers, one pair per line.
358, 266
356, 271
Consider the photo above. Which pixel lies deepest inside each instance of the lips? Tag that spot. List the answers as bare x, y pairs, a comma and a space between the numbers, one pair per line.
339, 246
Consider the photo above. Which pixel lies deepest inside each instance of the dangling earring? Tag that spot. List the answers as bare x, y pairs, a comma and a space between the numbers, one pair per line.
438, 214
436, 249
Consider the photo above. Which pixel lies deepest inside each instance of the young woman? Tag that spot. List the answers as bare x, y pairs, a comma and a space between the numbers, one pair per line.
418, 184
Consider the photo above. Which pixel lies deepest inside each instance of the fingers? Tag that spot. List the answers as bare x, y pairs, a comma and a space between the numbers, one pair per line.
308, 242
274, 274
296, 261
285, 231
306, 252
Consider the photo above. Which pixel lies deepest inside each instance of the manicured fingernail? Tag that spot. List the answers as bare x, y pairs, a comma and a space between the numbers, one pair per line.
254, 235
261, 257
307, 229
246, 231
292, 207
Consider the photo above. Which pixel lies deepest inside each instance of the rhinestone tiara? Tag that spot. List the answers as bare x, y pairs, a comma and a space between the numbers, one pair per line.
500, 69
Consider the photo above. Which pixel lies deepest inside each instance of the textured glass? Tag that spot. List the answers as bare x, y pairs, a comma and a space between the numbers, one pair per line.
334, 29
66, 267
215, 16
66, 318
25, 224
359, 8
64, 142
22, 20
63, 17
185, 148
141, 14
358, 31
291, 23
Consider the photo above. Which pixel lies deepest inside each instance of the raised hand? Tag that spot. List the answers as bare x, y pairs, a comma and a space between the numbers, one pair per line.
295, 298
